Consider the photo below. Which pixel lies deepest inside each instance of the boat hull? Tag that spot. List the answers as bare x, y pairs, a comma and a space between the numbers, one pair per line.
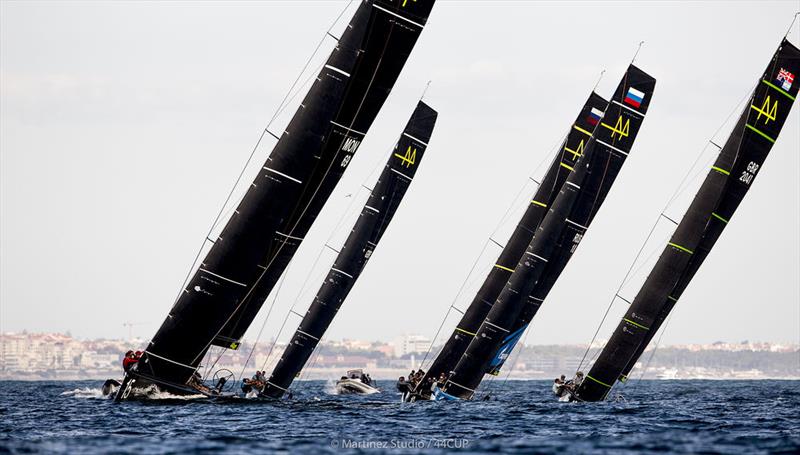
439, 395
110, 387
138, 385
354, 387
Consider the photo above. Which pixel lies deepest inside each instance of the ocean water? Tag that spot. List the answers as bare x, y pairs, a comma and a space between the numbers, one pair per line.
655, 416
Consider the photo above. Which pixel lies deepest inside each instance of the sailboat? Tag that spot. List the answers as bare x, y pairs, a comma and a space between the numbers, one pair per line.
557, 237
562, 164
380, 208
712, 208
233, 280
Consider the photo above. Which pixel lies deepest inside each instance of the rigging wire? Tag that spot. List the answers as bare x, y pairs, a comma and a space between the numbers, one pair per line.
264, 324
239, 199
514, 205
592, 209
655, 348
548, 157
304, 287
650, 358
489, 387
503, 220
302, 212
347, 214
680, 189
452, 304
427, 86
600, 78
315, 355
527, 332
794, 18
291, 309
736, 155
605, 172
637, 52
277, 112
554, 152
288, 97
269, 311
207, 368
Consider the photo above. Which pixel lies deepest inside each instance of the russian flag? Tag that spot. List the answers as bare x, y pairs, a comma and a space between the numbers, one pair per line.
634, 97
594, 116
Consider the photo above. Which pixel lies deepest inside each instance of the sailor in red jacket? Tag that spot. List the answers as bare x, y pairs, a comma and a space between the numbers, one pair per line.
129, 360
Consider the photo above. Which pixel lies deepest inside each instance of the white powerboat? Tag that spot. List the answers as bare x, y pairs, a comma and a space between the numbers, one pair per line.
356, 382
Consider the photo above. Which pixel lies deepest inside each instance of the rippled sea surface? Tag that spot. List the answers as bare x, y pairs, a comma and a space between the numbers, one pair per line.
655, 416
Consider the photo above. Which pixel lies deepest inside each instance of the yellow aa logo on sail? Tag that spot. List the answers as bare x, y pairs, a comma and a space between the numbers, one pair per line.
767, 110
409, 158
575, 153
405, 2
623, 128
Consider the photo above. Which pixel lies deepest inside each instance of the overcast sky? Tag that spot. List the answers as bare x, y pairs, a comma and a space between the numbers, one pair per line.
123, 126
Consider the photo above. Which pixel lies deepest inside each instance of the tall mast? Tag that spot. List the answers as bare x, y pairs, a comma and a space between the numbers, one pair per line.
558, 235
233, 280
562, 164
375, 217
713, 206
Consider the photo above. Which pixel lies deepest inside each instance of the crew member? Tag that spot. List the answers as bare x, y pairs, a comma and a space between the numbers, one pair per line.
578, 379
559, 386
403, 386
129, 361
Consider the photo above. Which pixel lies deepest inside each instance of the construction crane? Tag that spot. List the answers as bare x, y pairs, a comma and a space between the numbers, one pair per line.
130, 326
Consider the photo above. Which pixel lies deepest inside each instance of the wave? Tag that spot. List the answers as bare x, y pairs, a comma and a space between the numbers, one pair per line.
330, 387
85, 392
153, 393
149, 393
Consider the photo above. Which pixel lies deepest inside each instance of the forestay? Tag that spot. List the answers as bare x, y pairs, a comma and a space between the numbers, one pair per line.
563, 163
558, 235
266, 228
712, 208
375, 217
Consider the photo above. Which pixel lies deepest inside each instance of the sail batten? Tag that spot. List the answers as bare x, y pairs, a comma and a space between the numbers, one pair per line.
359, 246
558, 235
725, 185
279, 207
569, 151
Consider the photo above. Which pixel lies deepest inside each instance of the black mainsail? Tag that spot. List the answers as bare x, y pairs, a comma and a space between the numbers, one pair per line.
375, 217
233, 280
558, 235
722, 191
562, 164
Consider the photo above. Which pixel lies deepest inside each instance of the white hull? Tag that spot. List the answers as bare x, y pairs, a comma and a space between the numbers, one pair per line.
354, 386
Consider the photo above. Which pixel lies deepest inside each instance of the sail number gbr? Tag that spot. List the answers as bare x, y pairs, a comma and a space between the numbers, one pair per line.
749, 173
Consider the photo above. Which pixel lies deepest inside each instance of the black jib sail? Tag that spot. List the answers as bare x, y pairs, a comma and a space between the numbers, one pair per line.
558, 235
727, 182
375, 217
233, 280
562, 164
